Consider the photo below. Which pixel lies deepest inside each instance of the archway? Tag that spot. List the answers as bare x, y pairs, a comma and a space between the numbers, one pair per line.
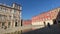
44, 24
54, 22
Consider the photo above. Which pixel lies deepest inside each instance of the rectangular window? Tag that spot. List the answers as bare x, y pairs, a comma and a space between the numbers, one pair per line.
10, 10
9, 17
15, 11
13, 16
9, 24
3, 23
4, 9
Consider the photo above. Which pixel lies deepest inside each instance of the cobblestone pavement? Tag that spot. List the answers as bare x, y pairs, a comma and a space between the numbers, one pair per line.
54, 29
9, 30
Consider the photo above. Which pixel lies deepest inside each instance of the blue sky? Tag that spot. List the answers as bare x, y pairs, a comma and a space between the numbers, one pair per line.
32, 8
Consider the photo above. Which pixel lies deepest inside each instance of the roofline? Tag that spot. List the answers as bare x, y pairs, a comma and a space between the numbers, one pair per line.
16, 4
4, 5
45, 12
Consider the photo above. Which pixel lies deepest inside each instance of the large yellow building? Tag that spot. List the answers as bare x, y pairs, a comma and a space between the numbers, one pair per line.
10, 16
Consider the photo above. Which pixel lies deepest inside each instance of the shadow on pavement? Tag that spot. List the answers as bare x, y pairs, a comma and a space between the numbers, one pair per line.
54, 29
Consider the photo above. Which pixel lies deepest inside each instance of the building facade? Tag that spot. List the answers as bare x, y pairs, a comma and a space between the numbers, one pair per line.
10, 16
51, 17
26, 22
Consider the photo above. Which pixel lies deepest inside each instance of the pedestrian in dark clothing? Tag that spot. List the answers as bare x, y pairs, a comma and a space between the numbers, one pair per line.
48, 25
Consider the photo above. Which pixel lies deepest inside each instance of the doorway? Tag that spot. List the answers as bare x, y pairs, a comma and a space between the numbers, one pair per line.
9, 24
58, 21
54, 22
15, 24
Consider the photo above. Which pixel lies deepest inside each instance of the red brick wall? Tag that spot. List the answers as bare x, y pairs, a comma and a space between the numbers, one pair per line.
26, 22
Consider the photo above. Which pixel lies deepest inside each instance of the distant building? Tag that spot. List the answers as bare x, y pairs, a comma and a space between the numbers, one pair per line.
27, 22
51, 17
10, 16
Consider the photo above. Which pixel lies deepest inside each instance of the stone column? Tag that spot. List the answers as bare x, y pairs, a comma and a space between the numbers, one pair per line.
14, 24
11, 24
6, 25
18, 23
0, 24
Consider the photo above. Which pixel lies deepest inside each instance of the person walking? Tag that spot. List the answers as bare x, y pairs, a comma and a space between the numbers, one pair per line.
48, 25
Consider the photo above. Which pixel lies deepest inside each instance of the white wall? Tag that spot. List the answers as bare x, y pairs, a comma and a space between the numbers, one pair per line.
37, 23
42, 23
49, 21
